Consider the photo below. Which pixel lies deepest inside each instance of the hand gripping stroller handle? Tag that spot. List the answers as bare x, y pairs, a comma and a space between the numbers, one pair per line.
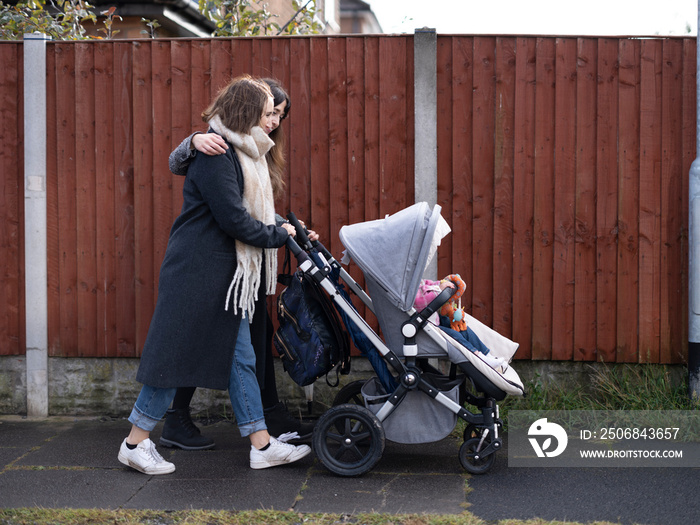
301, 231
306, 243
296, 250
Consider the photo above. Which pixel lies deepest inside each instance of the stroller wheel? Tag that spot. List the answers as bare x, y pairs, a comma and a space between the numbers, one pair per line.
472, 431
470, 458
349, 440
350, 393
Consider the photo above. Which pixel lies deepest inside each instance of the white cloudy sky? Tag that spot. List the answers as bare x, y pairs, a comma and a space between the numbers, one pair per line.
542, 17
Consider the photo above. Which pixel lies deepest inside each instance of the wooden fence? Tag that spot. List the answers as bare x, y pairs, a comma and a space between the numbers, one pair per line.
562, 168
12, 339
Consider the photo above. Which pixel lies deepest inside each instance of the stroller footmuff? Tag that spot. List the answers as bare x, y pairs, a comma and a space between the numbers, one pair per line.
392, 253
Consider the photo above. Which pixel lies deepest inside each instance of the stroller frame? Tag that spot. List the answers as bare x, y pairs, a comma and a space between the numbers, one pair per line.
349, 438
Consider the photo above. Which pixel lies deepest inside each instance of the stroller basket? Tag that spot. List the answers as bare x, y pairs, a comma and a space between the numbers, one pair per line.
417, 419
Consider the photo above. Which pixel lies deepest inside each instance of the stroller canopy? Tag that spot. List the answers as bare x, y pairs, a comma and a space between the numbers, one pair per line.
394, 251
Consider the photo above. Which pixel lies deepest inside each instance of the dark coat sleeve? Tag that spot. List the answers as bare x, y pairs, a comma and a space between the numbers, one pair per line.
181, 156
219, 181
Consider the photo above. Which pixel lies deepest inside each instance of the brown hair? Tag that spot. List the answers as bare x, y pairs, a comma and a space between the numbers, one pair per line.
240, 104
275, 157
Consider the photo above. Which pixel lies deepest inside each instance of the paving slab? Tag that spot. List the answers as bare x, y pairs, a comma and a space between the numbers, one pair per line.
641, 496
68, 488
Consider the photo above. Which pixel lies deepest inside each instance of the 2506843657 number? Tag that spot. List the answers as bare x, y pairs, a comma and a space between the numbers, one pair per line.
612, 433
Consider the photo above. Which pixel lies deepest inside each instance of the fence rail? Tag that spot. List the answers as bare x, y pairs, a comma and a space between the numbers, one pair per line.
562, 169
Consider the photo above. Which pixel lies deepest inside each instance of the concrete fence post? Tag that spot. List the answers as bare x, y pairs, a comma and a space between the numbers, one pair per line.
425, 122
35, 224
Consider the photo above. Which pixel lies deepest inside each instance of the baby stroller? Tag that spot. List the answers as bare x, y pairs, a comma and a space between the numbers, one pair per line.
392, 254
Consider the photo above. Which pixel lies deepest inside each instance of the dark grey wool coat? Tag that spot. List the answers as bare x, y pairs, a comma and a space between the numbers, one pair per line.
192, 337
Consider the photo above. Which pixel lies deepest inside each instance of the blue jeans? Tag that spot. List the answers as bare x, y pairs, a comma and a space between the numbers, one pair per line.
467, 338
243, 390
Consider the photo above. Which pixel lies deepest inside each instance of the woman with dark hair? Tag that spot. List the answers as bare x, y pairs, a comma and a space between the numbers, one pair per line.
179, 430
221, 254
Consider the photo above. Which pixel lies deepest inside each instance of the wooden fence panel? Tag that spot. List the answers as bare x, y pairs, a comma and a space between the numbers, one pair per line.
144, 277
650, 200
585, 202
299, 132
66, 311
124, 219
395, 121
182, 111
105, 235
105, 291
523, 194
85, 191
674, 202
543, 216
607, 201
562, 169
356, 49
483, 154
449, 99
355, 161
201, 86
319, 162
52, 227
564, 198
12, 328
503, 187
628, 210
587, 122
337, 142
455, 146
163, 196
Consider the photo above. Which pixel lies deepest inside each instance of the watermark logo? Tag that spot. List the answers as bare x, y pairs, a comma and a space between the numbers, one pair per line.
540, 435
604, 438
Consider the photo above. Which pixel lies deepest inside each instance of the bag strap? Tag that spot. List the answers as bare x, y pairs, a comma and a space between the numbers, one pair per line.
285, 278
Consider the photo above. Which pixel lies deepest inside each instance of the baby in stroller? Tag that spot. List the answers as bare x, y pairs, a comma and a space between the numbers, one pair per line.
451, 318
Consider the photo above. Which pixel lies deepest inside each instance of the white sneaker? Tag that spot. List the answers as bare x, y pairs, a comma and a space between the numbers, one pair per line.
278, 453
145, 458
494, 362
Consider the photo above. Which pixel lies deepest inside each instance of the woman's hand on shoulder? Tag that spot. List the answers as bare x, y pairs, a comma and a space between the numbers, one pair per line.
209, 143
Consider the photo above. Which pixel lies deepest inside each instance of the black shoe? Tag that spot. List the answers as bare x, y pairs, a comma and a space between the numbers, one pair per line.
179, 431
279, 421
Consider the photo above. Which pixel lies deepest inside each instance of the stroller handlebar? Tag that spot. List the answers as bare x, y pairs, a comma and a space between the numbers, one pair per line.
436, 303
302, 235
298, 252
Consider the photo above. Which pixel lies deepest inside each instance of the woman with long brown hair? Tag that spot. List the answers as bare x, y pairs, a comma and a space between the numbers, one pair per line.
221, 252
179, 430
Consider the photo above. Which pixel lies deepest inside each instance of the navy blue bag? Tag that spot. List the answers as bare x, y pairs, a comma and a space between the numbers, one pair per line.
310, 339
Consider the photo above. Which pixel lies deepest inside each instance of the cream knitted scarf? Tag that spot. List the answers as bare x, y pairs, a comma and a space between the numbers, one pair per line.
259, 203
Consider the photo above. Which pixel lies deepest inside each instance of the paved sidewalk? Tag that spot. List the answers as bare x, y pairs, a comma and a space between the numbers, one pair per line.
61, 462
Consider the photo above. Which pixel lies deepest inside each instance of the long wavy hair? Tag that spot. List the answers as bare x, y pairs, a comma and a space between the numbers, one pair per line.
240, 104
275, 157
